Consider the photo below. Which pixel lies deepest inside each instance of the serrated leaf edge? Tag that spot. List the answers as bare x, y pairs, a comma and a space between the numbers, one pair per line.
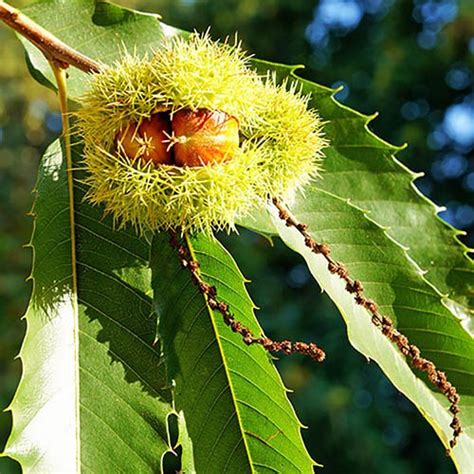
413, 175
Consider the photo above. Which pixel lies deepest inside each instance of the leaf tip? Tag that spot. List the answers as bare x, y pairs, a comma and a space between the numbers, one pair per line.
373, 116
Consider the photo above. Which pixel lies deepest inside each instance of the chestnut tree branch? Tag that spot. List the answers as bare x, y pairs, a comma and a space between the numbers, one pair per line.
52, 47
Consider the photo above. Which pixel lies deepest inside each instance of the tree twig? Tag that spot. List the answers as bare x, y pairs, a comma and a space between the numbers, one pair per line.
52, 47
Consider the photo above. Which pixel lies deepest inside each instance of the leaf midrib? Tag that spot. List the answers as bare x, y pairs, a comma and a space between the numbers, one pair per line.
226, 368
74, 276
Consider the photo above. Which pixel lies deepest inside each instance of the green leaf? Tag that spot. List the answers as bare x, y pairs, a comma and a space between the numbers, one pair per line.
361, 167
361, 171
375, 259
91, 397
389, 195
236, 409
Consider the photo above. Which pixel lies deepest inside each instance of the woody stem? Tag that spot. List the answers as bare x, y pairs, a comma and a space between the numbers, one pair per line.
52, 47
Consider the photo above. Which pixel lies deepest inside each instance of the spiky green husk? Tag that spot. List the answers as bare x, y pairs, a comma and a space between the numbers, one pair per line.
280, 151
200, 73
291, 137
171, 197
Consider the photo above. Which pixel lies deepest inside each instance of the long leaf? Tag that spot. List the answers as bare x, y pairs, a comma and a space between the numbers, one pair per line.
236, 409
361, 167
401, 293
90, 397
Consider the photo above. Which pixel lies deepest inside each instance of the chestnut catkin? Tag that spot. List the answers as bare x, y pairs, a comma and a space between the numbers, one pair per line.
148, 141
204, 137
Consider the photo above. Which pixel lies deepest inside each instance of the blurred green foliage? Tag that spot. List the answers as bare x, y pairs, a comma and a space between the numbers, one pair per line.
411, 60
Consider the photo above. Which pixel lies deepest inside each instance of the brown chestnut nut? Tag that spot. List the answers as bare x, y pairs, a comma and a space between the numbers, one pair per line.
203, 137
149, 141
